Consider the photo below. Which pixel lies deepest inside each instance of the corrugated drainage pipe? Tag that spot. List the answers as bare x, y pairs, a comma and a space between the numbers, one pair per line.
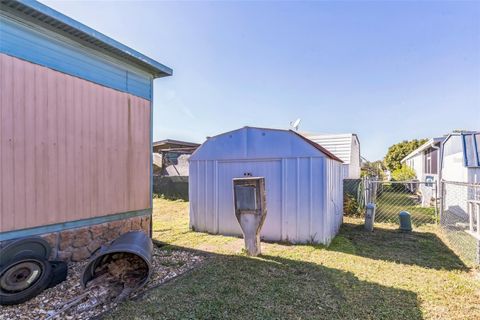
135, 242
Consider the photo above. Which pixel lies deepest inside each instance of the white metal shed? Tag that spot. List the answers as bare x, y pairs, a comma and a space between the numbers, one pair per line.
303, 183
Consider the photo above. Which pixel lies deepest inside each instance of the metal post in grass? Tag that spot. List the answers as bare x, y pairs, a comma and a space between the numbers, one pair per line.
442, 197
369, 216
436, 201
478, 252
405, 221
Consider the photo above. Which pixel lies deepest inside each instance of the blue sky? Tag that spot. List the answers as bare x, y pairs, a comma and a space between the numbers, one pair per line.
387, 71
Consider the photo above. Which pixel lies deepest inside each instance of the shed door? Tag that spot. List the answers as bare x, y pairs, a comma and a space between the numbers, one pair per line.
271, 171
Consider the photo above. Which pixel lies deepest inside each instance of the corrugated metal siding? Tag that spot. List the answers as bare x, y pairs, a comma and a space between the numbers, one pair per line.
304, 192
334, 199
69, 149
42, 47
295, 190
258, 143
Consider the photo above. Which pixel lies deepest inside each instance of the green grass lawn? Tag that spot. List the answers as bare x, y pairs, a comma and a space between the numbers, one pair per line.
392, 201
380, 275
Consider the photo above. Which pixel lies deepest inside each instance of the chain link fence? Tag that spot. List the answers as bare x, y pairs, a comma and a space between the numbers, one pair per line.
353, 197
420, 199
460, 216
455, 206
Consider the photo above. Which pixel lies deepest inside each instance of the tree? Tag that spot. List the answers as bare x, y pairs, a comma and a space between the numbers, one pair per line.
399, 151
405, 173
373, 169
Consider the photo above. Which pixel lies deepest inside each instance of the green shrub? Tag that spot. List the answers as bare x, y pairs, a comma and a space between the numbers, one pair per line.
405, 173
350, 206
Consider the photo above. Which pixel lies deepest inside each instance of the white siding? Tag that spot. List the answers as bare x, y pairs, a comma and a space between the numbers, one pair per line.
338, 144
416, 163
354, 166
454, 169
333, 199
453, 166
345, 146
304, 193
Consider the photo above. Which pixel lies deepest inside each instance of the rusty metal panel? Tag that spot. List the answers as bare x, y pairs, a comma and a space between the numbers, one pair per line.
69, 149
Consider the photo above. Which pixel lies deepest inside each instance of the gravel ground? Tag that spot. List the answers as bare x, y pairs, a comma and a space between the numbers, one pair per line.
167, 264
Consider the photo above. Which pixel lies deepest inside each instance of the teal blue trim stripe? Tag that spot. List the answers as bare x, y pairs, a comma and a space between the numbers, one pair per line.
8, 235
41, 47
476, 151
465, 155
151, 147
151, 155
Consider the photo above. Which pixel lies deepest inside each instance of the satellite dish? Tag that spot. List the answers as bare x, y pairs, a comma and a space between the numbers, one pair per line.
295, 124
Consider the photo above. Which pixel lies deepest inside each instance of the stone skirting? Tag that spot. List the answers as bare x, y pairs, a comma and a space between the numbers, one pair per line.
78, 244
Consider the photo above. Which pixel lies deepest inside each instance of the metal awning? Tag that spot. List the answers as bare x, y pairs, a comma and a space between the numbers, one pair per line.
42, 15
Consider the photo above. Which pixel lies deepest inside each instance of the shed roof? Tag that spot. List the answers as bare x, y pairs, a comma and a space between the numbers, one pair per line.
338, 144
270, 147
42, 15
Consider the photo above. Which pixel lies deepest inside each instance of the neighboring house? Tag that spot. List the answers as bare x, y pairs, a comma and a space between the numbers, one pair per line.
344, 146
167, 144
170, 157
452, 158
75, 140
179, 169
303, 182
460, 157
460, 163
425, 161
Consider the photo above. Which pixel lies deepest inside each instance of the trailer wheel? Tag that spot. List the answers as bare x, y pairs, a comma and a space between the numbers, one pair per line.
24, 278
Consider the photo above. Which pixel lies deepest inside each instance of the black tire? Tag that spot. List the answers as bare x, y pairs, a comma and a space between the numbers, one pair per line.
24, 278
60, 272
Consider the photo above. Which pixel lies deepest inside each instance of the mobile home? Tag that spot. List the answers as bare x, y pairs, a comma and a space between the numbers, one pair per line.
76, 131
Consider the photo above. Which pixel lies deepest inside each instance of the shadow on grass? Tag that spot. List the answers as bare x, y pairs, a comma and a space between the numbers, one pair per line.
424, 249
270, 287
